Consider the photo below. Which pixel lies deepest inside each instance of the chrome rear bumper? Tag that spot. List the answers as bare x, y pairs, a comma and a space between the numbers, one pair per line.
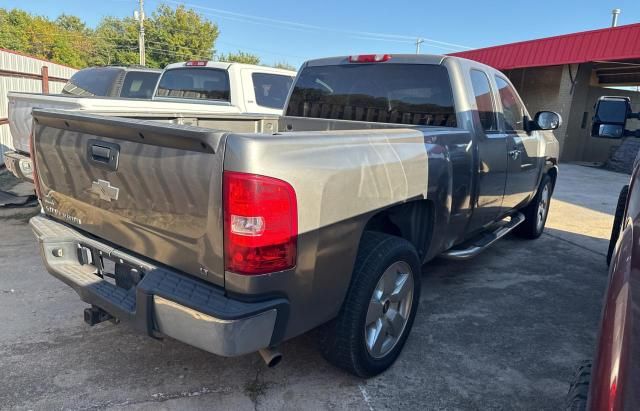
164, 302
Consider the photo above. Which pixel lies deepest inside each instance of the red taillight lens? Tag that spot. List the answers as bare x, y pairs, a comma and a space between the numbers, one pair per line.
369, 58
196, 63
32, 154
260, 224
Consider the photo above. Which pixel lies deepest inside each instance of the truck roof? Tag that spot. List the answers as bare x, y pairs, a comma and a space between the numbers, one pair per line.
224, 65
397, 58
134, 67
394, 58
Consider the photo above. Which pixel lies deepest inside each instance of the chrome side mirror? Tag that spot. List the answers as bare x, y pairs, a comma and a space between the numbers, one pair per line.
610, 131
547, 120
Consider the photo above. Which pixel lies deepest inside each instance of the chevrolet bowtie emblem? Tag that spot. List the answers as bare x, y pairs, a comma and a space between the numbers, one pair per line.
105, 190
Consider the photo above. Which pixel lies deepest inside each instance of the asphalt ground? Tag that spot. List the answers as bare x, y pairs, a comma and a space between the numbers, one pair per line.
502, 331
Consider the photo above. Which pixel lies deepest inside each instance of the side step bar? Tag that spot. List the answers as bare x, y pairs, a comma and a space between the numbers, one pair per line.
475, 246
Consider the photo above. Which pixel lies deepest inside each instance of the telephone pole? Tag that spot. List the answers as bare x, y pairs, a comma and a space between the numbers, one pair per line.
419, 41
141, 35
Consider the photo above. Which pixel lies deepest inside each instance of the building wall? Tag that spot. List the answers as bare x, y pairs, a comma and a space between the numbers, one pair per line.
545, 88
568, 91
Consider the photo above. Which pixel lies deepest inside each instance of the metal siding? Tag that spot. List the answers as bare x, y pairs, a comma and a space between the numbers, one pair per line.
12, 61
24, 64
613, 43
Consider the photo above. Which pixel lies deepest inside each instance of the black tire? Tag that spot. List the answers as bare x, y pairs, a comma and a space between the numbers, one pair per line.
530, 228
579, 388
617, 221
344, 343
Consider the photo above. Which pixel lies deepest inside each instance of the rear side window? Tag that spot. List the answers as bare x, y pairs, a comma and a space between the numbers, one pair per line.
92, 82
271, 90
139, 84
195, 83
484, 100
512, 109
416, 94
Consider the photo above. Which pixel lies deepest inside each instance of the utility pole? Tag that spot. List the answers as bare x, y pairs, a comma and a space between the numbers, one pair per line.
419, 41
141, 35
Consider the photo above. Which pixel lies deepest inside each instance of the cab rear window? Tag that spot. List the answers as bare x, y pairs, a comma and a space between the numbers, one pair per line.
93, 81
139, 84
415, 94
194, 83
271, 90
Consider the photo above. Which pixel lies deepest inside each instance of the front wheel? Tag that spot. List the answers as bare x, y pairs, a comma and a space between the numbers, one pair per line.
617, 221
536, 212
378, 312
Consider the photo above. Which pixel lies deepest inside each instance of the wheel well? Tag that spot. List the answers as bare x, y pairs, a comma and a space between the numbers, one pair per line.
412, 221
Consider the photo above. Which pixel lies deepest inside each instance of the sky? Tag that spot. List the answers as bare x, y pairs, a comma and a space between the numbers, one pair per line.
294, 31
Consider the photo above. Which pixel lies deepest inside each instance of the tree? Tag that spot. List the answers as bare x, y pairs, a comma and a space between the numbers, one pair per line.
73, 44
171, 35
240, 57
178, 34
116, 42
13, 29
284, 65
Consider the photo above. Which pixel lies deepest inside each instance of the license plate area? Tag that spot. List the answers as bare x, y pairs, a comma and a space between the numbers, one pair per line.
115, 270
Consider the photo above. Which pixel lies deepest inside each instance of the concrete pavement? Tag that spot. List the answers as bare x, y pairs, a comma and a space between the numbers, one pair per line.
502, 331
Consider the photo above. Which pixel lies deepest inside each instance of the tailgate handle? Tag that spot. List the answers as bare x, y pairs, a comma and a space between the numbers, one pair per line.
103, 154
100, 153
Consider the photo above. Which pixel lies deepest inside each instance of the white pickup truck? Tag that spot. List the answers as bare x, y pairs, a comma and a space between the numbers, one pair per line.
192, 87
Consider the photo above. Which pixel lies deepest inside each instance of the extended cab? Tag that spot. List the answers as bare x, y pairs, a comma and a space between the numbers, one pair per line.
184, 89
235, 242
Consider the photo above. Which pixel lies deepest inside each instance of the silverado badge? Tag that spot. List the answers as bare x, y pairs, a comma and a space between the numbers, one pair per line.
104, 190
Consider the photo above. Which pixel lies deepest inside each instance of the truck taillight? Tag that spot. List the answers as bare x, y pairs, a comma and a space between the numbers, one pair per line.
369, 58
260, 224
32, 154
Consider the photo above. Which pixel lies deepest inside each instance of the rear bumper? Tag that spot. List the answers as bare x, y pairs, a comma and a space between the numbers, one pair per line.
164, 302
19, 165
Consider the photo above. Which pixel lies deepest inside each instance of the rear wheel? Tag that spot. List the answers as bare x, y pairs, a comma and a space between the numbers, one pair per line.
579, 388
536, 212
378, 312
617, 221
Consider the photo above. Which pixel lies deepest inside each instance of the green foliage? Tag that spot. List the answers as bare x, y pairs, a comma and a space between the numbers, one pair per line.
171, 34
178, 34
116, 42
286, 66
240, 57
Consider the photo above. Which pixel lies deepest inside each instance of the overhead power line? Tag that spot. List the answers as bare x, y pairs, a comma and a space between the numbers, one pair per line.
285, 24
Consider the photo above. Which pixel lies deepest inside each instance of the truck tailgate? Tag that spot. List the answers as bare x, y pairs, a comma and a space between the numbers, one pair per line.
150, 188
20, 106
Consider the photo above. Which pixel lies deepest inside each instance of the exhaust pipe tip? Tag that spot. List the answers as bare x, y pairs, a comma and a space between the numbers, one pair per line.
270, 356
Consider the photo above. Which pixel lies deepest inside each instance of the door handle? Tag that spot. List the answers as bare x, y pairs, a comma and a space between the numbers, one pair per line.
515, 153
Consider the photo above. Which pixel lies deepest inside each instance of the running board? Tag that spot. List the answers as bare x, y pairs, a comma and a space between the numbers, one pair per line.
477, 245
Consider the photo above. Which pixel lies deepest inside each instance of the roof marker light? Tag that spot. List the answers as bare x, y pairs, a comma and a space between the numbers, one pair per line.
369, 58
196, 63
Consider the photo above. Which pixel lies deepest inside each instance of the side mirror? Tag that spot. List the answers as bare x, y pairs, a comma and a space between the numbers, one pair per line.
610, 119
545, 120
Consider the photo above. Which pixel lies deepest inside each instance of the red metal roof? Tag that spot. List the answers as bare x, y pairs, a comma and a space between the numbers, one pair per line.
613, 43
